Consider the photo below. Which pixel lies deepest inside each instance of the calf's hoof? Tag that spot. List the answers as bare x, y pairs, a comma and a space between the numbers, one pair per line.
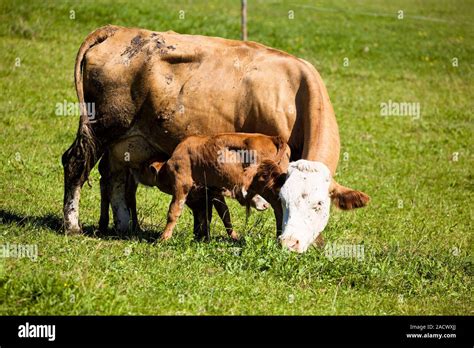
234, 236
165, 236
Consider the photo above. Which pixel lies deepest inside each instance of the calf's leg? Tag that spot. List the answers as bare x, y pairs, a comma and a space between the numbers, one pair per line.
175, 210
202, 213
223, 210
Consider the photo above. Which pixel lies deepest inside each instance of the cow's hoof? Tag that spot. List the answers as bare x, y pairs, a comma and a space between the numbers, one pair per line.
202, 239
103, 226
72, 230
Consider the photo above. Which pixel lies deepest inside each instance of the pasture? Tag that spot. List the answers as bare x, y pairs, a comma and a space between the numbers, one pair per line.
414, 240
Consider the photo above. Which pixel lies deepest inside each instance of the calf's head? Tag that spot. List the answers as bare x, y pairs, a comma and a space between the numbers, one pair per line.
306, 195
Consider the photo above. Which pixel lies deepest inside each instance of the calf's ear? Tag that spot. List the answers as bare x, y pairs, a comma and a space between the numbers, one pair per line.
346, 198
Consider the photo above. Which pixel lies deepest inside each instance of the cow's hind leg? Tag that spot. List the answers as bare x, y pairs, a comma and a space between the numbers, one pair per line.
105, 192
107, 179
131, 199
118, 200
77, 162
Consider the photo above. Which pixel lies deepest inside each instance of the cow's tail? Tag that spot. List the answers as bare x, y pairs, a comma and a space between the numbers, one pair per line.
85, 136
91, 40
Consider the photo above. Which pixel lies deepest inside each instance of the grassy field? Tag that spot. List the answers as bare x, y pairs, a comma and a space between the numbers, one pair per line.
416, 233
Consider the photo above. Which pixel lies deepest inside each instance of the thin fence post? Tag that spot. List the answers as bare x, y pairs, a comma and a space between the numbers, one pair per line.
244, 20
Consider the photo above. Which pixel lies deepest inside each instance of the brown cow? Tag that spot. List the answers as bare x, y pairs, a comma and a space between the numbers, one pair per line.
164, 86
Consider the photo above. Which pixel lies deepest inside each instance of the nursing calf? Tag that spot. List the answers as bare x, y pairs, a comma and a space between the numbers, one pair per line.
244, 165
133, 157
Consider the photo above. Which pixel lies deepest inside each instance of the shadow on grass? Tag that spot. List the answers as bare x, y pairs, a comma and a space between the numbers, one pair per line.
49, 221
55, 224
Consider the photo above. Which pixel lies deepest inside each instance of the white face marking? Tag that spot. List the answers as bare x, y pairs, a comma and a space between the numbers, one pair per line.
306, 202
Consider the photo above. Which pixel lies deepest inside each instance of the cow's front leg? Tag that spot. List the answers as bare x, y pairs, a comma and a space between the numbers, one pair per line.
277, 210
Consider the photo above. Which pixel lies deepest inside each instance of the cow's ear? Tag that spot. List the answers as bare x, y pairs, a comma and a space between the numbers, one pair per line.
346, 198
155, 167
270, 175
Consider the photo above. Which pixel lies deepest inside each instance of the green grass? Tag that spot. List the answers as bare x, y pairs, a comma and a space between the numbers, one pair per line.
417, 232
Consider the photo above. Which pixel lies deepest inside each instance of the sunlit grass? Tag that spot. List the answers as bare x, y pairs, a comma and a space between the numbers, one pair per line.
416, 234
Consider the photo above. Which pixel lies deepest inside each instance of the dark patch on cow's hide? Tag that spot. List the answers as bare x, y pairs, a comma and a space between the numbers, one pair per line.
168, 78
136, 46
160, 44
156, 43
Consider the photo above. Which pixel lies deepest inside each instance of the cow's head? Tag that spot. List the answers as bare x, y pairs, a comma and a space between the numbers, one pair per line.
305, 196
